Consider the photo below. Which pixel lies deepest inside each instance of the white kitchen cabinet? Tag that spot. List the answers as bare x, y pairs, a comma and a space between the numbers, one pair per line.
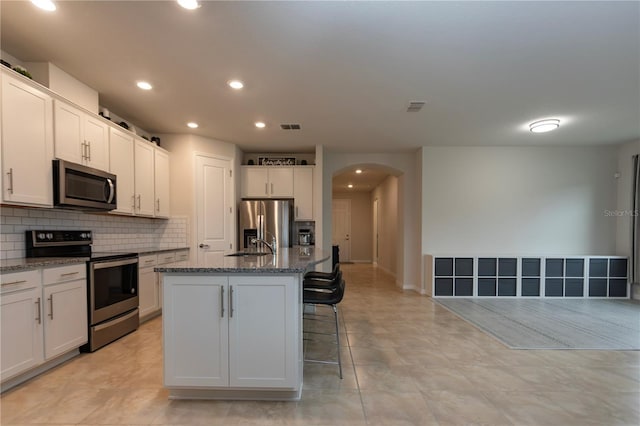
21, 323
122, 165
148, 294
303, 192
231, 332
144, 178
182, 258
267, 182
80, 137
27, 143
64, 297
161, 186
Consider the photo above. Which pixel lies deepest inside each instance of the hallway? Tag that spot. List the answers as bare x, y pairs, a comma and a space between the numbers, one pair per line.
408, 361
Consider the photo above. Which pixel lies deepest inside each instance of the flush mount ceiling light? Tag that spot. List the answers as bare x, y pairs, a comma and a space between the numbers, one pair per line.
47, 5
144, 85
546, 125
235, 84
350, 185
260, 125
192, 125
358, 171
189, 4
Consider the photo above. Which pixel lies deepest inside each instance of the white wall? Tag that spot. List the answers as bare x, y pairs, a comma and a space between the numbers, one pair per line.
518, 200
388, 224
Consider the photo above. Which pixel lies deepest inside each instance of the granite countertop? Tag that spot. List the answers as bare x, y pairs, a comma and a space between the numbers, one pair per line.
152, 250
24, 264
295, 259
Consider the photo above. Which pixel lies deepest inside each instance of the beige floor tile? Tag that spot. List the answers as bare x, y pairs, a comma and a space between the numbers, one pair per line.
396, 408
406, 361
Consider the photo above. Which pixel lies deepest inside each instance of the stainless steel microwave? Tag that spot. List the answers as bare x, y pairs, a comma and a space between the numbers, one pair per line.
79, 187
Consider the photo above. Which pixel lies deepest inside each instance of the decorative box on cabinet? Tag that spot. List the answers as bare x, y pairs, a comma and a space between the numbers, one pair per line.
27, 142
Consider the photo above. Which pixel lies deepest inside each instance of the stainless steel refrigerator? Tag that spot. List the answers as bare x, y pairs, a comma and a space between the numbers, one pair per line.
264, 219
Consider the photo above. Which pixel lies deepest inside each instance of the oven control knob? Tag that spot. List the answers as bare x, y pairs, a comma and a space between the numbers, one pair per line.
84, 235
133, 291
41, 236
49, 236
88, 235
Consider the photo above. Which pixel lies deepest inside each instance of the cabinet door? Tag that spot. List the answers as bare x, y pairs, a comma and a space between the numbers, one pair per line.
144, 179
97, 142
27, 144
69, 139
161, 174
255, 182
122, 164
281, 182
263, 331
21, 326
65, 319
148, 292
195, 331
303, 192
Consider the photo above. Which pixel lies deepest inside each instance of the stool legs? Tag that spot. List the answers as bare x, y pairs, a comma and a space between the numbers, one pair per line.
337, 333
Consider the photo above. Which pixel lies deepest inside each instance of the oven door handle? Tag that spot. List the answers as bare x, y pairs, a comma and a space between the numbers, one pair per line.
114, 263
116, 321
112, 191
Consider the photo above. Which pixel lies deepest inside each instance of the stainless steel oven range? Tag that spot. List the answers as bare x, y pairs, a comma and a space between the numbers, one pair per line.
112, 282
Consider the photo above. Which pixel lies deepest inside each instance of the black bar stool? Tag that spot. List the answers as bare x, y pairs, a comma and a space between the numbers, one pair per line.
327, 293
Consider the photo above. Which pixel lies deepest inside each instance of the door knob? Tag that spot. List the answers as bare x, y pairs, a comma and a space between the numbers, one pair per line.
205, 246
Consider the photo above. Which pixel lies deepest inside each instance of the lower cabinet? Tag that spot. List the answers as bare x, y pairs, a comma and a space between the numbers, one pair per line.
224, 331
148, 292
21, 323
44, 315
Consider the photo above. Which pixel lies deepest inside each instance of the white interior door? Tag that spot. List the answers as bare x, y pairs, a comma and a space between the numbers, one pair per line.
214, 211
341, 234
375, 231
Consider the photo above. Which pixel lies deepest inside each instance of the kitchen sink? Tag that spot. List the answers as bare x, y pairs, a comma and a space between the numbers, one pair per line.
249, 253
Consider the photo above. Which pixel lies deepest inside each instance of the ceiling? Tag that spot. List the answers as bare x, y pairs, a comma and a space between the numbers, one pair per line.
346, 71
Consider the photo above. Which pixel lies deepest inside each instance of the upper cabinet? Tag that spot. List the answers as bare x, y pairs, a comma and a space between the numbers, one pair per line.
80, 137
161, 186
303, 192
27, 143
267, 182
122, 165
144, 178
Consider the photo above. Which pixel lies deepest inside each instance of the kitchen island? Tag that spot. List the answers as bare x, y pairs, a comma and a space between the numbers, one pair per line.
232, 329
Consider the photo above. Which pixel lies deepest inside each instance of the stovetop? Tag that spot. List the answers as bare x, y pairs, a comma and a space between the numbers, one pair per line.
55, 243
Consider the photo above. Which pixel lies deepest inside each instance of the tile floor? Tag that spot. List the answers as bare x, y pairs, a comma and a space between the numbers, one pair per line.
407, 362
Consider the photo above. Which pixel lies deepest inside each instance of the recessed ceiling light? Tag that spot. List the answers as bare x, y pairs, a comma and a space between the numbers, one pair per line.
189, 4
192, 125
358, 171
144, 85
47, 5
236, 84
546, 125
260, 125
350, 186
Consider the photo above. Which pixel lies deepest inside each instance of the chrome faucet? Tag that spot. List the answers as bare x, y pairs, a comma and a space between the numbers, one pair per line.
272, 247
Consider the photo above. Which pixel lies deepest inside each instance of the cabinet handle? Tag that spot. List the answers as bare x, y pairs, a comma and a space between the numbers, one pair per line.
158, 208
68, 274
297, 211
266, 188
50, 299
230, 301
14, 282
139, 201
10, 173
221, 302
84, 150
89, 150
271, 189
39, 318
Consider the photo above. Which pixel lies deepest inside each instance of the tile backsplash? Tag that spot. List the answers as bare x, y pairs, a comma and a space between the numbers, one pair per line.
110, 232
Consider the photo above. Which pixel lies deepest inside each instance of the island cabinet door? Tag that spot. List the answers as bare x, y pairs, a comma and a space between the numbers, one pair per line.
195, 331
263, 331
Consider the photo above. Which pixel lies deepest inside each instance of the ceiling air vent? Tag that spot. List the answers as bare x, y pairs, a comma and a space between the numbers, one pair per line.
290, 126
415, 106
